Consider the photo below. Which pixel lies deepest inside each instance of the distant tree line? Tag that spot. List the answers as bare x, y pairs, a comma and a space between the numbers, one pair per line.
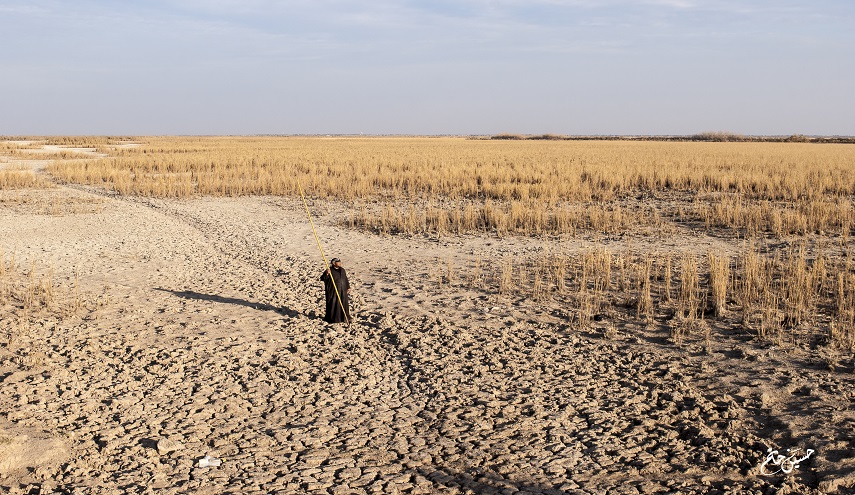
711, 137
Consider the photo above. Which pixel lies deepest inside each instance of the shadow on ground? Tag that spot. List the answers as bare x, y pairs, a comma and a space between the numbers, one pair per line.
189, 294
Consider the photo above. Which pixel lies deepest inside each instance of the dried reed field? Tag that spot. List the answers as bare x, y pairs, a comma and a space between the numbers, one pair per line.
547, 316
444, 185
454, 186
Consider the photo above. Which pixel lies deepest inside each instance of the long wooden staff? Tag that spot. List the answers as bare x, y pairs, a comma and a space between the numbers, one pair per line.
321, 249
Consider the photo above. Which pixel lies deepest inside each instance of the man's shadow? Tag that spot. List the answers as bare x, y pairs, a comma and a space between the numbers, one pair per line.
189, 294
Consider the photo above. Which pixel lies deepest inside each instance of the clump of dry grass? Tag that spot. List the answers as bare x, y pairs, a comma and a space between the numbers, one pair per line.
32, 290
689, 301
644, 299
32, 300
22, 178
841, 332
719, 267
42, 154
9, 145
83, 141
506, 278
476, 274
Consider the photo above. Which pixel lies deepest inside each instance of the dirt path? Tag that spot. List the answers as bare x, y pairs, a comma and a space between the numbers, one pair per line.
204, 338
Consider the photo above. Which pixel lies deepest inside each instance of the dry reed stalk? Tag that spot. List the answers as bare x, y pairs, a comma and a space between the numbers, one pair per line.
842, 329
559, 272
585, 270
587, 308
539, 289
602, 269
751, 282
819, 279
450, 271
667, 279
644, 305
22, 179
29, 297
522, 276
476, 275
623, 280
506, 277
848, 219
678, 330
770, 317
706, 331
798, 286
46, 290
719, 267
582, 274
689, 301
76, 300
593, 270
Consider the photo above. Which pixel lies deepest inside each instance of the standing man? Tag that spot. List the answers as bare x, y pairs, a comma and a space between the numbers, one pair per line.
335, 277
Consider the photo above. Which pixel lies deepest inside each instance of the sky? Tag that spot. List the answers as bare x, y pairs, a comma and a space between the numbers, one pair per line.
575, 67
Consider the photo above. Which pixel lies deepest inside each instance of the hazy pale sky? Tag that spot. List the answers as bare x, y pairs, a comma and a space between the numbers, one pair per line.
418, 67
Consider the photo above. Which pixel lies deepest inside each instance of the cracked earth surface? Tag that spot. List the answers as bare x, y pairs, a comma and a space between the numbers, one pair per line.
202, 337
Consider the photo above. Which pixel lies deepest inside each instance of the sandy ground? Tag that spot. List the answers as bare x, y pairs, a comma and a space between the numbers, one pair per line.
201, 335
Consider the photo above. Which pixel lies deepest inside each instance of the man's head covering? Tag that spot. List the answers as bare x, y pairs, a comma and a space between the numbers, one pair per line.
335, 260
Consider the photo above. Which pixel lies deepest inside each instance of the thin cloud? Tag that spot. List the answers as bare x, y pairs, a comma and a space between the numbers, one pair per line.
21, 9
454, 54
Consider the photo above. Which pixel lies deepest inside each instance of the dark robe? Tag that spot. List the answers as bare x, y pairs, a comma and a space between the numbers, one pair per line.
334, 313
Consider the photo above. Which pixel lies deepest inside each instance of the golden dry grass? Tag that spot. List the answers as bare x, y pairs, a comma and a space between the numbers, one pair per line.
22, 178
41, 154
34, 142
454, 168
454, 185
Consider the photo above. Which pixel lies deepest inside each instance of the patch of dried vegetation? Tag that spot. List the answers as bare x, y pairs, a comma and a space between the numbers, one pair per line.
788, 298
19, 177
52, 201
33, 300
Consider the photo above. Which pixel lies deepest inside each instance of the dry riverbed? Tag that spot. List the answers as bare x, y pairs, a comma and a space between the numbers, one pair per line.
195, 331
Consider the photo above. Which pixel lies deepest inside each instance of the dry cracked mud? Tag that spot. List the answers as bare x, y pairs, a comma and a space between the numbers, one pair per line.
201, 336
